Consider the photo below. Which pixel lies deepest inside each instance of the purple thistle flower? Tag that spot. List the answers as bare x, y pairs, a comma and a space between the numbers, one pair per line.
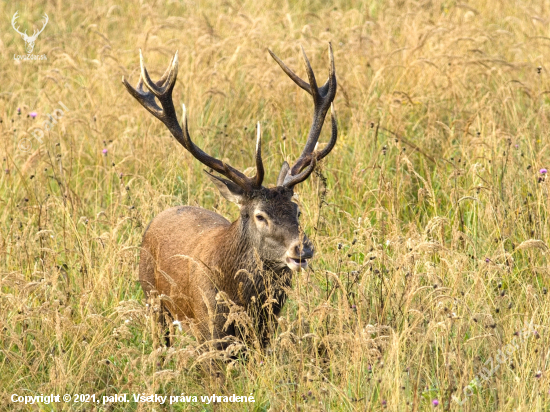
104, 151
543, 171
487, 260
18, 110
435, 402
33, 114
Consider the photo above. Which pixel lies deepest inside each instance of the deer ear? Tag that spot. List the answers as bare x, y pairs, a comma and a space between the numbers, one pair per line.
228, 189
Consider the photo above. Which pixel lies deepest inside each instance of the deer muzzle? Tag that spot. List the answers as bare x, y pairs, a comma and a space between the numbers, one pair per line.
298, 255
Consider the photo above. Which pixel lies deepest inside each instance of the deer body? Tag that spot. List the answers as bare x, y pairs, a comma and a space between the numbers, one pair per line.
203, 263
179, 242
191, 254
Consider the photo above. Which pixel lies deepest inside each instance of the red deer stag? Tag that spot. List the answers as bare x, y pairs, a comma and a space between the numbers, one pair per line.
200, 260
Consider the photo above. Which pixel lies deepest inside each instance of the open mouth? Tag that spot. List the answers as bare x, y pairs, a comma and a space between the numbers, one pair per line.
296, 264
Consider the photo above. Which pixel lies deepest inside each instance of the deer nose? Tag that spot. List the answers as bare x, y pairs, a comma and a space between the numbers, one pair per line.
301, 249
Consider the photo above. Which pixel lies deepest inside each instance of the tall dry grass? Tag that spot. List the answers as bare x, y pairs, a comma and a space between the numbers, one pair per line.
430, 218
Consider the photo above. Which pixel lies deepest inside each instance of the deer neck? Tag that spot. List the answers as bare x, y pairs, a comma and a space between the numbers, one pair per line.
237, 253
244, 275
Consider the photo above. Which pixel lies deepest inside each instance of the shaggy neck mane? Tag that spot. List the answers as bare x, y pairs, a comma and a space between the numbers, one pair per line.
236, 252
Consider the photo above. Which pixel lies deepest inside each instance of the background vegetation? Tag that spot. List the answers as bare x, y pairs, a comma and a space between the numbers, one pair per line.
430, 217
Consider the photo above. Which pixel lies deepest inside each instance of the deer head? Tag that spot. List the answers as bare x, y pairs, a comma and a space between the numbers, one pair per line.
29, 40
268, 216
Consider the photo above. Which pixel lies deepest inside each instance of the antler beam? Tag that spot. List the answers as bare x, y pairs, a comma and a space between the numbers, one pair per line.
162, 91
13, 20
322, 99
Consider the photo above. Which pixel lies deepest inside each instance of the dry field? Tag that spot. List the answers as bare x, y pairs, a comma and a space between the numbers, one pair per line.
430, 218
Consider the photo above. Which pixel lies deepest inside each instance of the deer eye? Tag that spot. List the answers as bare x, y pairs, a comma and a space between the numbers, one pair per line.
260, 218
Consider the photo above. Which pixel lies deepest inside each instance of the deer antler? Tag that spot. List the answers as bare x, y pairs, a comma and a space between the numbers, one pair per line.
25, 35
322, 99
14, 18
36, 33
162, 90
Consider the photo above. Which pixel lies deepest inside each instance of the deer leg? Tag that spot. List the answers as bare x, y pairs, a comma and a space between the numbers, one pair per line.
165, 320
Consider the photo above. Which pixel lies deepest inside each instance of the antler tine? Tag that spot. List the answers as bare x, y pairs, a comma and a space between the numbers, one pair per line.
169, 70
322, 99
283, 173
166, 82
313, 89
290, 73
259, 163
